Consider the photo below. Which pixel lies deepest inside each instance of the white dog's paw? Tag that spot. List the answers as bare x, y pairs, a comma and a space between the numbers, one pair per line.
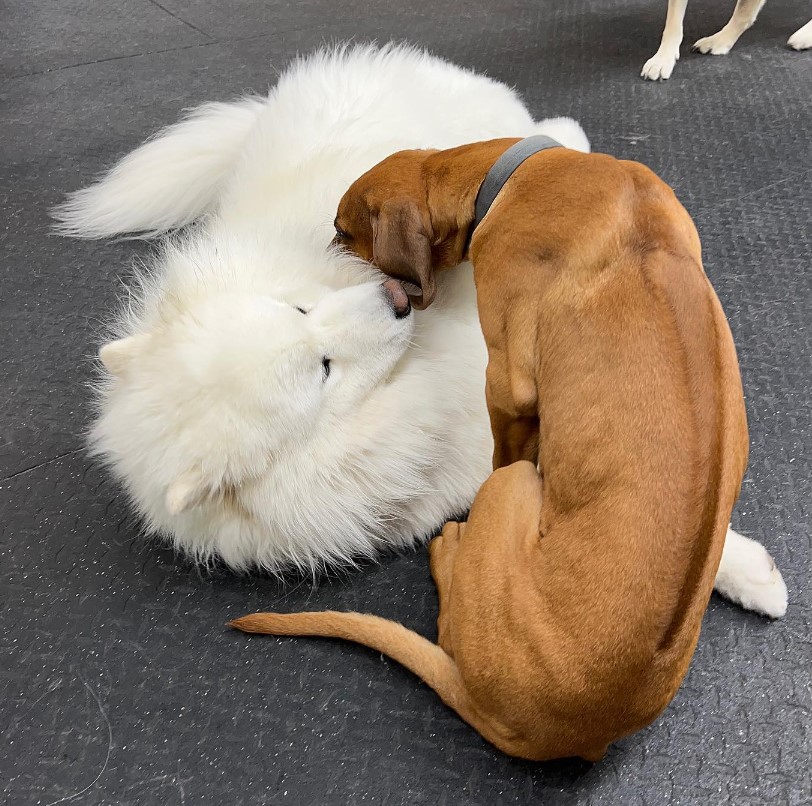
719, 44
802, 38
660, 65
749, 577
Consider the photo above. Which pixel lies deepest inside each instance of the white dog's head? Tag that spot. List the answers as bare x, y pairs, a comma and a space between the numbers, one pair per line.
219, 386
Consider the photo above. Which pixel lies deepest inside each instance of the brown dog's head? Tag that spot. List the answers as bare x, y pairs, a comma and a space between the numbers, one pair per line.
386, 217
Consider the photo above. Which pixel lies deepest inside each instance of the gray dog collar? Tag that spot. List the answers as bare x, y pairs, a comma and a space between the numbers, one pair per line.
504, 168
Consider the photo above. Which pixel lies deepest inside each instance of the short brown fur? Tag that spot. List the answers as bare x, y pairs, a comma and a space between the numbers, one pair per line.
571, 600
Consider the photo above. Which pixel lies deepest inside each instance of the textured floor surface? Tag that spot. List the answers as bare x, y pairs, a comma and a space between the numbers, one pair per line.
118, 682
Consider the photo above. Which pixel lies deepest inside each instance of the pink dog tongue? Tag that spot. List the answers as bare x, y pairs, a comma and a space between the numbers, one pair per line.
400, 299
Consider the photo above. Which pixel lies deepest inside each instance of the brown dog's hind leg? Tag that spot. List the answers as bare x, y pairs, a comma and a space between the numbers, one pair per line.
494, 559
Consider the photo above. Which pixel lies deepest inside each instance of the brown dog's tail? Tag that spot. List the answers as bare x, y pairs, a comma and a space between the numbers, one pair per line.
428, 661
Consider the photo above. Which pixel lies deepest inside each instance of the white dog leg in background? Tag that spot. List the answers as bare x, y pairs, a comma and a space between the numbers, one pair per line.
661, 64
748, 576
744, 15
802, 38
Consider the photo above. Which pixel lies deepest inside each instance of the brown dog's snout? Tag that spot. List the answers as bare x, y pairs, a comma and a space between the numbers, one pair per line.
398, 298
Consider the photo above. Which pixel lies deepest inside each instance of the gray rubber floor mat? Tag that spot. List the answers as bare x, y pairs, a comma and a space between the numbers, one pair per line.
119, 683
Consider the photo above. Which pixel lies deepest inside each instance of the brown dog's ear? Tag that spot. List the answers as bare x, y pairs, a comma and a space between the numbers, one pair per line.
401, 247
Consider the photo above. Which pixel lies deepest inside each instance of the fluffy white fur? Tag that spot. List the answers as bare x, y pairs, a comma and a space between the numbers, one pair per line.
662, 63
215, 412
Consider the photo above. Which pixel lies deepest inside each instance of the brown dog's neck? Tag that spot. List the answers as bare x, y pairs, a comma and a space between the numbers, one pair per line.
453, 180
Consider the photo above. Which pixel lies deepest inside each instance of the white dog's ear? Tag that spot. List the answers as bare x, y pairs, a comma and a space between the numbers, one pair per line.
115, 355
185, 492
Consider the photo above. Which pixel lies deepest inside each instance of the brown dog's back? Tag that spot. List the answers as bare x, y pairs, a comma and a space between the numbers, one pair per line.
601, 305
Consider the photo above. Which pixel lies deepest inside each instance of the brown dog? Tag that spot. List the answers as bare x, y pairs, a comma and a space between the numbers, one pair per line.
571, 601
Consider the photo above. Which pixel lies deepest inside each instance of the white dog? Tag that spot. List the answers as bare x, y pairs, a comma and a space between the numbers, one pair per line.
264, 403
661, 64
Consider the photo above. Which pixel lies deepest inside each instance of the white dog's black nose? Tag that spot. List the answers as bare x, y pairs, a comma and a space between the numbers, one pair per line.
398, 298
